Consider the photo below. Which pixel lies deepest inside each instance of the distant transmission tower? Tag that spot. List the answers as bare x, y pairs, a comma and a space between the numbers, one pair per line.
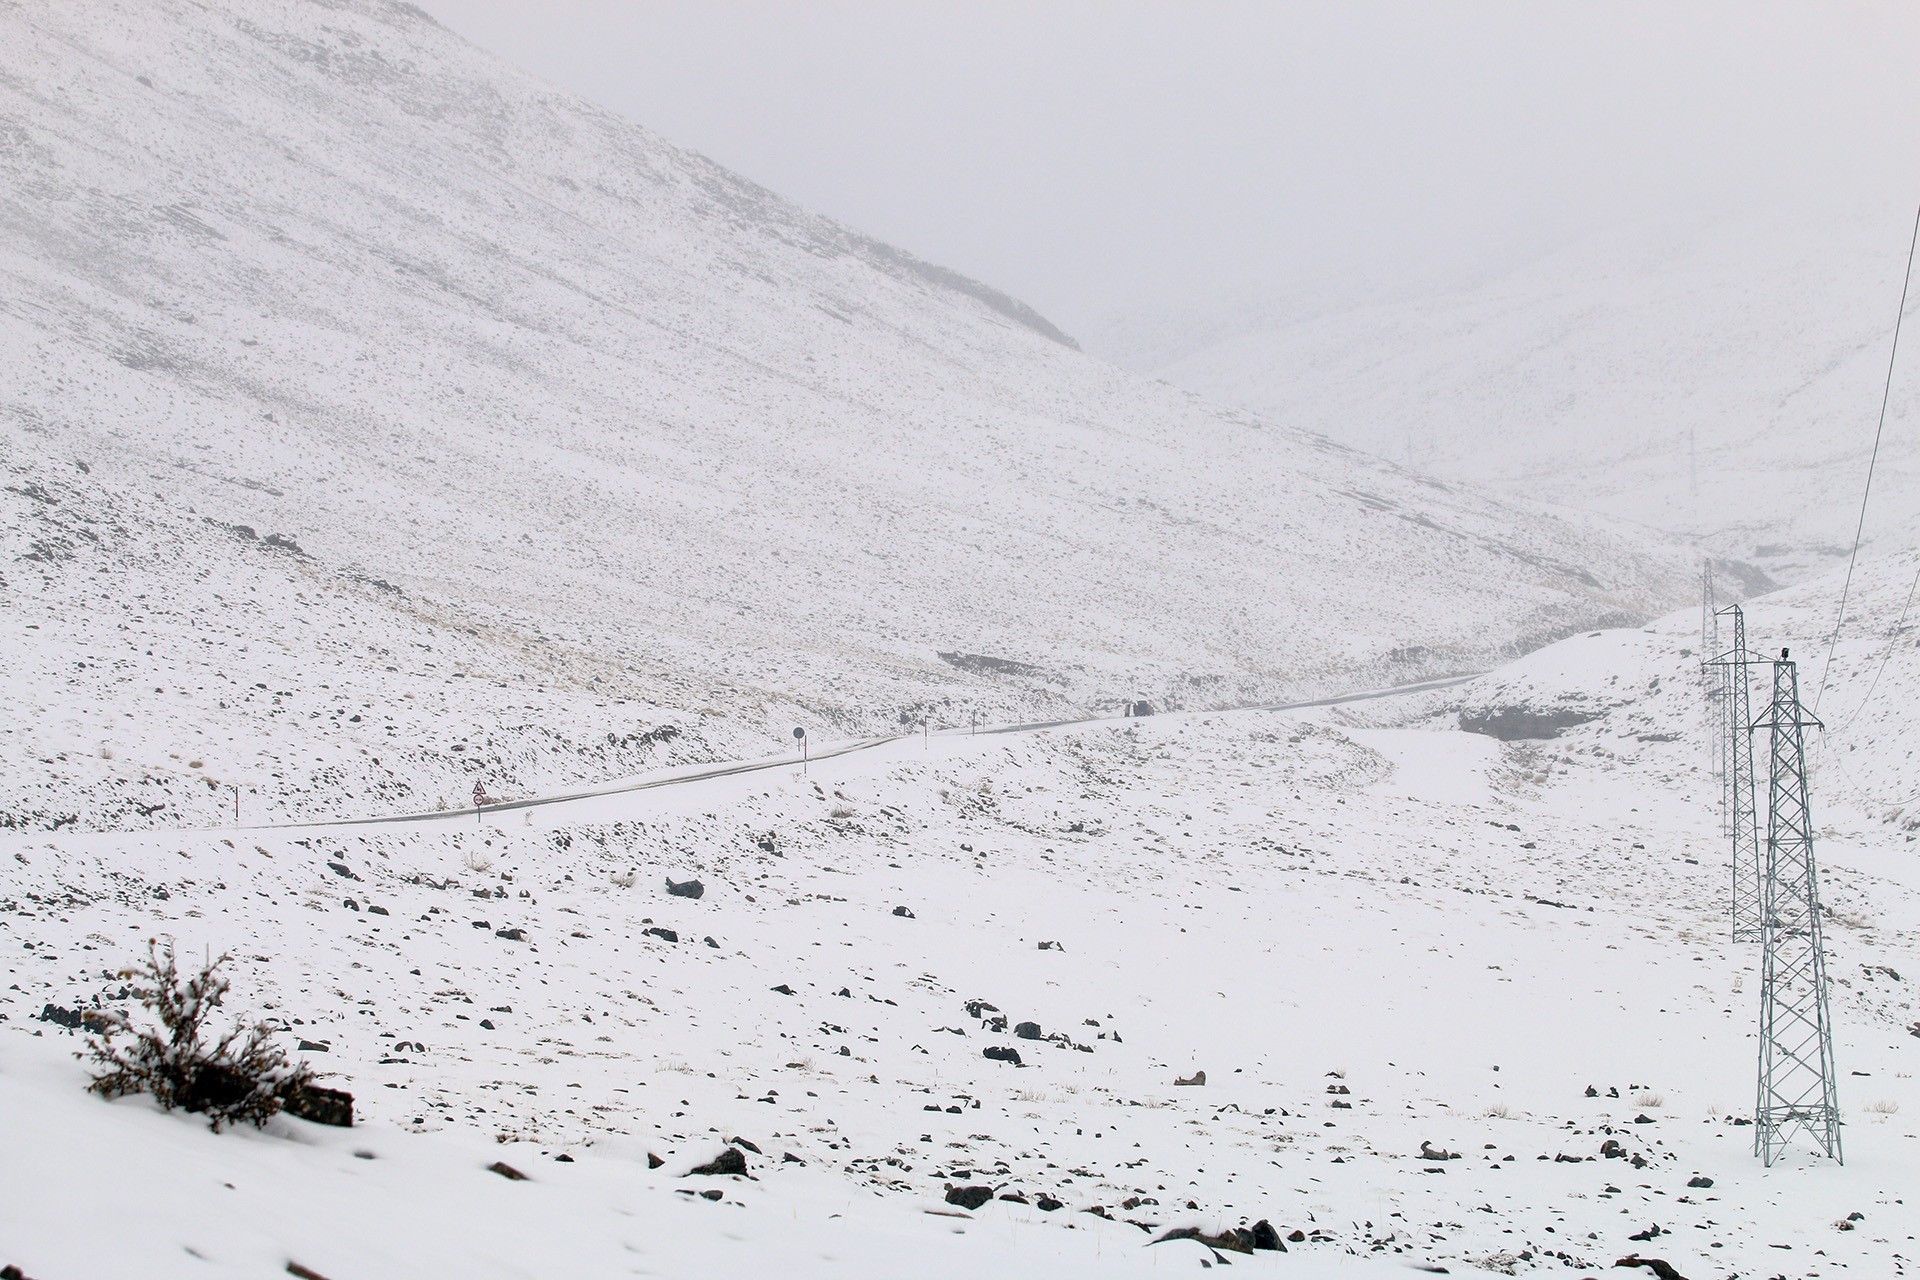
1736, 741
1796, 1036
1714, 685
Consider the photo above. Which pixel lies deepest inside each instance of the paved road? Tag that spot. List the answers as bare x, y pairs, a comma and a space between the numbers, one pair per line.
829, 753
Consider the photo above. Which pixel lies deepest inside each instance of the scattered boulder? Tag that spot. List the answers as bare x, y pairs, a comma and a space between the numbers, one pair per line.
1661, 1268
969, 1198
1027, 1030
511, 935
729, 1161
665, 935
1265, 1237
685, 888
975, 1008
506, 1171
1001, 1053
903, 913
1700, 1181
1233, 1239
319, 1105
1047, 1204
783, 989
1197, 1078
654, 1161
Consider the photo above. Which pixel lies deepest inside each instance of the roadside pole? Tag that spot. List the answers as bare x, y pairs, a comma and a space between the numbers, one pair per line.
800, 735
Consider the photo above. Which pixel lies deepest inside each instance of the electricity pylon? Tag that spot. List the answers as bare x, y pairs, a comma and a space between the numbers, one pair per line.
1714, 685
1796, 1035
1736, 741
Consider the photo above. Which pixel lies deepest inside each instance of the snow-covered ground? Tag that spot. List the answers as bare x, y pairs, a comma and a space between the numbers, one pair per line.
377, 419
1375, 933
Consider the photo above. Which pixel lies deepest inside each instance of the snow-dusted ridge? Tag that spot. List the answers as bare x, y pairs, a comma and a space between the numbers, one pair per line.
378, 418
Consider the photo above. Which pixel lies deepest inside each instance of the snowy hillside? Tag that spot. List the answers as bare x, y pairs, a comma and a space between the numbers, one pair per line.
1460, 1003
378, 420
1717, 380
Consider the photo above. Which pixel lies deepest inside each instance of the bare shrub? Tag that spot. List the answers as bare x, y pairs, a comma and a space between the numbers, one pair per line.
1649, 1101
1882, 1107
241, 1076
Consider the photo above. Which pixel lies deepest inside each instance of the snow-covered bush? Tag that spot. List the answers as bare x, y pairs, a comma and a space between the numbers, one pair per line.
165, 1051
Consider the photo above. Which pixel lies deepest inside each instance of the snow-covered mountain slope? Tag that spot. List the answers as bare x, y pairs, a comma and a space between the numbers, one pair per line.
1718, 380
1460, 1003
376, 418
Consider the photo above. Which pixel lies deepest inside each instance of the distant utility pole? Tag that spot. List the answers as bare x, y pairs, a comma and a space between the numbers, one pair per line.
1736, 741
1796, 1034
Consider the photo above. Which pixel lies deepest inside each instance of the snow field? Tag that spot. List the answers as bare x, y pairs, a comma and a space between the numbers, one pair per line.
1293, 903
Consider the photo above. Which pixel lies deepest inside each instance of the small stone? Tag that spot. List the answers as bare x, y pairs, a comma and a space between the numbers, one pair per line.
714, 1194
742, 1142
654, 1161
511, 935
506, 1171
320, 1105
1001, 1053
969, 1197
685, 888
487, 1023
903, 913
1700, 1180
729, 1161
784, 989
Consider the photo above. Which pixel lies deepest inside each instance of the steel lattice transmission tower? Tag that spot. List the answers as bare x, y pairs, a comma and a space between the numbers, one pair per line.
1737, 743
1714, 685
1796, 1036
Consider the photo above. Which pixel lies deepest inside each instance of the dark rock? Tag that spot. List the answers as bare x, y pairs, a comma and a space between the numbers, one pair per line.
784, 989
1051, 946
665, 935
315, 1046
1643, 1119
11, 1272
654, 1161
1296, 1236
787, 1157
1612, 1149
1592, 1092
729, 1161
350, 904
969, 1197
710, 942
742, 1142
685, 888
320, 1105
1001, 1053
511, 935
903, 913
714, 1194
1027, 1030
487, 1023
506, 1171
1265, 1237
1233, 1239
975, 1008
1661, 1268
342, 870
1700, 1180
563, 1158
1047, 1204
376, 911
1648, 1234
293, 1269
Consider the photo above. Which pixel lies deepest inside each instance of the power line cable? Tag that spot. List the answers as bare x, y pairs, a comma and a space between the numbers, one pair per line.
1892, 641
1833, 641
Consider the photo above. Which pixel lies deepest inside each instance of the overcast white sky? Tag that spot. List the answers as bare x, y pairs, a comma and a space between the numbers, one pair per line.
1123, 157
